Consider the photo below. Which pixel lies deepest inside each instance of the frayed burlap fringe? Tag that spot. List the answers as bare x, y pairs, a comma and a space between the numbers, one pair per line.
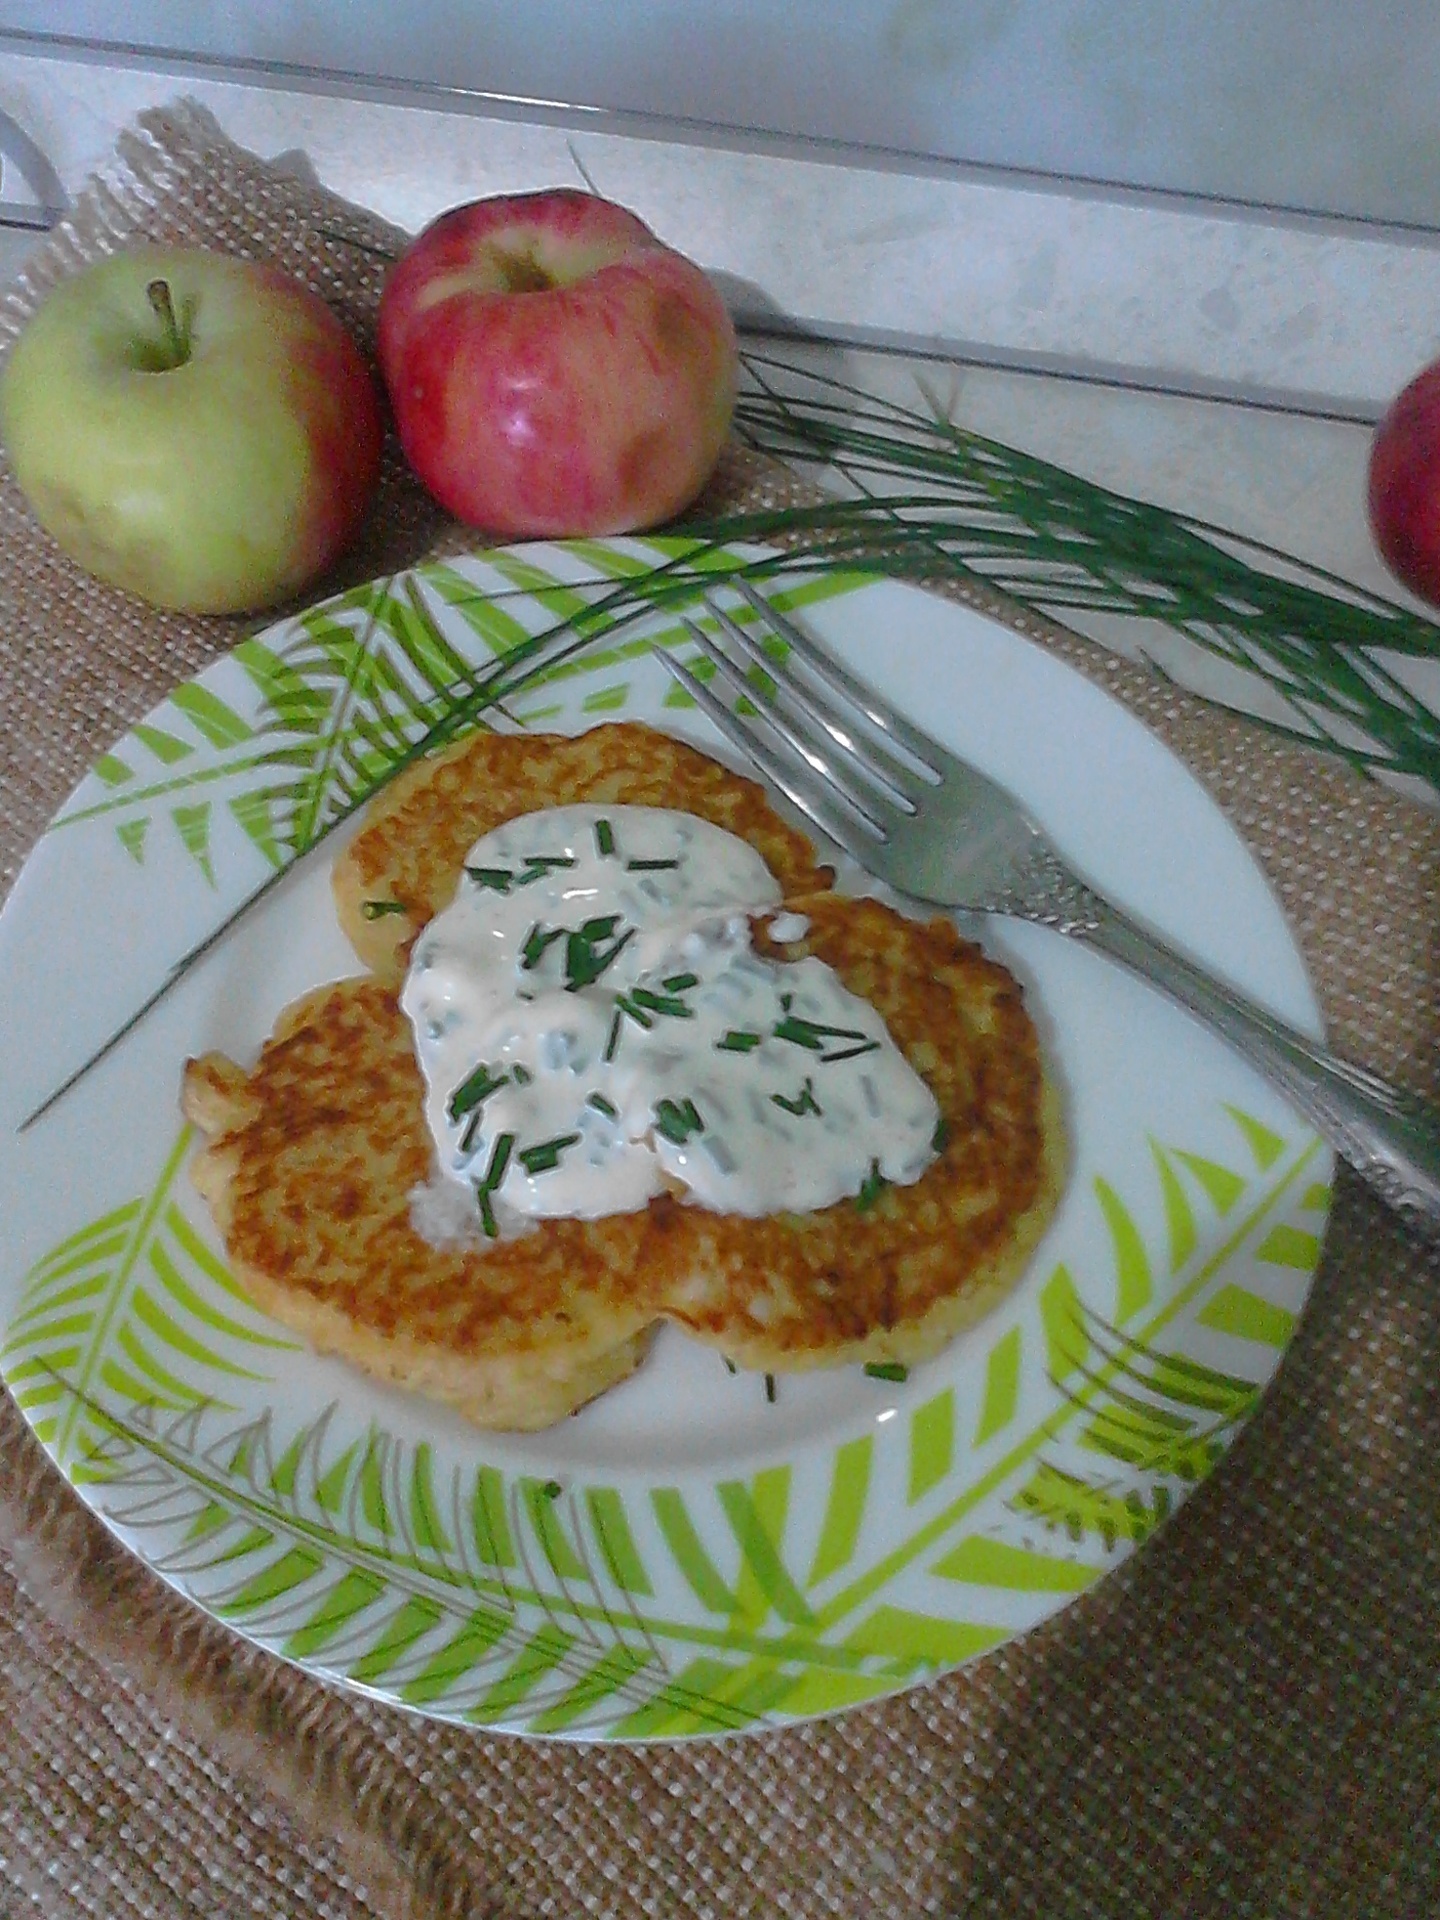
144, 1635
1235, 1723
146, 193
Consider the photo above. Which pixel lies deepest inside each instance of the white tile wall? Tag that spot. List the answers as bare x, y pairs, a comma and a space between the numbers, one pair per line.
1323, 315
1311, 103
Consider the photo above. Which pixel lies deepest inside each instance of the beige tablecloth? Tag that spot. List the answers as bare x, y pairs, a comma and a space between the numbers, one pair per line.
1243, 1720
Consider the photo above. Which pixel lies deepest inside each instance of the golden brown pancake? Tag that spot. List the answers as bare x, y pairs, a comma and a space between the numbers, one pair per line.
404, 864
311, 1163
896, 1278
315, 1154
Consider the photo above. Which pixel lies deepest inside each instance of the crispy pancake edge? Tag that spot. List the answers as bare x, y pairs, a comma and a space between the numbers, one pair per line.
308, 1174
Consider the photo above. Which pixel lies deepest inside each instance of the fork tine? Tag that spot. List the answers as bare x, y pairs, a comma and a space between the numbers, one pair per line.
891, 726
794, 726
845, 829
867, 765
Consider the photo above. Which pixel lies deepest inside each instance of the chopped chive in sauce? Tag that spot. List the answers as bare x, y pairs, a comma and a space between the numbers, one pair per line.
871, 1188
545, 1155
377, 909
812, 1034
586, 957
552, 1490
886, 1370
537, 944
650, 866
491, 879
539, 865
802, 1102
676, 1120
612, 1039
849, 1053
663, 1003
602, 1105
522, 1076
494, 1174
800, 1033
680, 982
627, 1007
737, 1040
730, 1366
474, 1090
604, 839
770, 1388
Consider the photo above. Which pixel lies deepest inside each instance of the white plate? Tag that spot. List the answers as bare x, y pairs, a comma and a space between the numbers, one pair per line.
685, 1557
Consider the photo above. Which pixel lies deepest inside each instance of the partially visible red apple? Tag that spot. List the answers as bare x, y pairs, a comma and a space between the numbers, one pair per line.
198, 429
554, 368
1404, 492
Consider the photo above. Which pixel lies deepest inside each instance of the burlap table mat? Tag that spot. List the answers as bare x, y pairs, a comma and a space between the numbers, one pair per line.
1242, 1721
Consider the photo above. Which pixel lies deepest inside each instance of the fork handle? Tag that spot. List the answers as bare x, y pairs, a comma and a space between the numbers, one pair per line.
1390, 1136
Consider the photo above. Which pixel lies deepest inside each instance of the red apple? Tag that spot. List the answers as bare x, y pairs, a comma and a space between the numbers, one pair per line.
1404, 493
555, 369
198, 429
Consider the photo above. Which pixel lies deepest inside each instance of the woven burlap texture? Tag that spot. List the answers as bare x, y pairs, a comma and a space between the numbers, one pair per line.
1242, 1721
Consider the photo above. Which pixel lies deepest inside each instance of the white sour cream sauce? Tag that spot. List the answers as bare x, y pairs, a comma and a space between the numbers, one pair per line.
594, 1028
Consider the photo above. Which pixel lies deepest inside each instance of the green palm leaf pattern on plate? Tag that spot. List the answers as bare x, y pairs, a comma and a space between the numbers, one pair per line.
135, 1308
640, 1608
353, 690
207, 753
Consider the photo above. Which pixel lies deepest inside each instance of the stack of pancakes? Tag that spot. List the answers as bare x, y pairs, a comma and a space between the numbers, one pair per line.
313, 1156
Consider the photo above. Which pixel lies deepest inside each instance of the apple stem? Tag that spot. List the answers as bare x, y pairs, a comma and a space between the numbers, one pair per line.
176, 345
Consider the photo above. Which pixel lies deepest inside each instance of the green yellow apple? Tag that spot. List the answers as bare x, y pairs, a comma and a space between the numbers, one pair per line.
198, 429
554, 368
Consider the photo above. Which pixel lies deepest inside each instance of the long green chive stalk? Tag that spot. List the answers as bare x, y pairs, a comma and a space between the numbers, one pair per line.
948, 502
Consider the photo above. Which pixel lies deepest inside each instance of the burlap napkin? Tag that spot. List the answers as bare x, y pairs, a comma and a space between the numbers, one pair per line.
1242, 1721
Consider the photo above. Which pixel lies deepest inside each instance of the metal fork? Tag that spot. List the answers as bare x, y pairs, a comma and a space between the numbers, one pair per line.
937, 830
